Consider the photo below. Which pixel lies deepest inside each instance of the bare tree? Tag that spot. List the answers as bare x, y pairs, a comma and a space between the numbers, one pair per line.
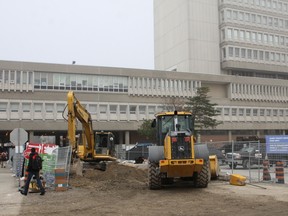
174, 103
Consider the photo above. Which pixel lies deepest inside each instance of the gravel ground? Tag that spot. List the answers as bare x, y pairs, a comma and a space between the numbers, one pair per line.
122, 190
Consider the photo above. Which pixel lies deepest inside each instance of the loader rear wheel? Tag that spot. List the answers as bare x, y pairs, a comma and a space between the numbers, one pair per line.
154, 177
204, 176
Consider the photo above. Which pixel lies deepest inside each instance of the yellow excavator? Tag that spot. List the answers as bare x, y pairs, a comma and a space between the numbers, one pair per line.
176, 157
88, 147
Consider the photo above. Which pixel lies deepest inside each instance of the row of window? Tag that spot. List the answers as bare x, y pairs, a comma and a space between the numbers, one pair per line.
254, 19
48, 107
273, 5
16, 77
59, 108
254, 55
110, 109
260, 38
80, 82
257, 74
31, 107
227, 111
99, 83
57, 81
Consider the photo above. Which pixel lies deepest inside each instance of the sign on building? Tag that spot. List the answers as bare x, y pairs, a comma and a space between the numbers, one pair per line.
277, 144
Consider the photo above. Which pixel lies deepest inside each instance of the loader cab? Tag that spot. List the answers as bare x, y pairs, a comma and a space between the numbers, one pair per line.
171, 121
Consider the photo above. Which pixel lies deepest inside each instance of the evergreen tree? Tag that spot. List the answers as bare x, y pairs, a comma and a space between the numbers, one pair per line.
203, 110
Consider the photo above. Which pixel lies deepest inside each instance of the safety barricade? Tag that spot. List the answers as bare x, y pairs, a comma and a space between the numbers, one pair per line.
266, 174
280, 172
61, 181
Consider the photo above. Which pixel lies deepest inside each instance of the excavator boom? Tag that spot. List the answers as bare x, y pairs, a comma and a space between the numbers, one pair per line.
88, 149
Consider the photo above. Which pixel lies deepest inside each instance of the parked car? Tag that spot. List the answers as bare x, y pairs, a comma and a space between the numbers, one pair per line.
139, 152
245, 157
228, 147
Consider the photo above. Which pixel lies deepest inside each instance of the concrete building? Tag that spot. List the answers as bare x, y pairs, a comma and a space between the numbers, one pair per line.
187, 36
236, 37
236, 48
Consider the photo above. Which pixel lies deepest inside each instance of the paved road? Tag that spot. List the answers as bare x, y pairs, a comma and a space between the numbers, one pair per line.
10, 198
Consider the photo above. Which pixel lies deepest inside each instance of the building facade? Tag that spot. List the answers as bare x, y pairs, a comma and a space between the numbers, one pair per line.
254, 39
33, 97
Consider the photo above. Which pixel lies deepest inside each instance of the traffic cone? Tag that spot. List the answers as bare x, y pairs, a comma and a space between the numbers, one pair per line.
280, 172
266, 174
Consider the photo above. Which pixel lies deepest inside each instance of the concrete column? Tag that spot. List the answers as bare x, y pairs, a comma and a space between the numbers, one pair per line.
127, 137
230, 135
121, 138
31, 136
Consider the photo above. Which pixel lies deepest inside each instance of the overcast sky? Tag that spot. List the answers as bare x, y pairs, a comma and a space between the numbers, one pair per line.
114, 33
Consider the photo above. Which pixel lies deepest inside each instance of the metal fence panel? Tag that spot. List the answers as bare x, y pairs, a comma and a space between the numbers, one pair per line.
18, 163
62, 167
132, 152
247, 157
59, 160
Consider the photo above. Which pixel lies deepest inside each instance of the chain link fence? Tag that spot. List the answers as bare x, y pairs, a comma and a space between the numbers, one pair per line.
250, 159
132, 152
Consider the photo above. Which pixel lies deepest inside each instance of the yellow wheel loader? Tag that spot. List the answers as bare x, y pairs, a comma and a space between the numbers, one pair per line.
176, 156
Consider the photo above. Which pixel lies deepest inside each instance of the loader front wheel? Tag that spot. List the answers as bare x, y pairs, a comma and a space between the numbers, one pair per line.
154, 179
204, 176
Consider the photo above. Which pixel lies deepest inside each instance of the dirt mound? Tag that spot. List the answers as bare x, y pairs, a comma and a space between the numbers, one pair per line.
116, 177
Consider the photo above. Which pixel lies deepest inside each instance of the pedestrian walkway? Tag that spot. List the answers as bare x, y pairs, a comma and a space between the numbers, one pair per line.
10, 199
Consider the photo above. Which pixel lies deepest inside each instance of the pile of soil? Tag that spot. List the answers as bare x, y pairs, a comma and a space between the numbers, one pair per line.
116, 177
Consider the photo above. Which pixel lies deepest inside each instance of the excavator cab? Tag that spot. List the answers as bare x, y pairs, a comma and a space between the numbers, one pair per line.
104, 143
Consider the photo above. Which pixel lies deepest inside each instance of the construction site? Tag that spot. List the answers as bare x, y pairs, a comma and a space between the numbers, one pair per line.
231, 159
174, 176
